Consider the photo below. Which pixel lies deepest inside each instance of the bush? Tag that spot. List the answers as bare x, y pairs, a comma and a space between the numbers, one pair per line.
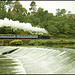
32, 42
16, 42
37, 42
48, 42
62, 41
5, 44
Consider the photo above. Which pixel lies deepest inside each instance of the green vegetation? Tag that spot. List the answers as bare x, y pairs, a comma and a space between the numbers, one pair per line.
16, 42
62, 41
59, 25
50, 42
9, 30
37, 42
59, 43
70, 43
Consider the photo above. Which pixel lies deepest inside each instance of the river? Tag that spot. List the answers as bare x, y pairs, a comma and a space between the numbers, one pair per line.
37, 60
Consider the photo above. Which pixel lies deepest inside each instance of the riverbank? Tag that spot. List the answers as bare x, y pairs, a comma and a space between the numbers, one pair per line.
68, 43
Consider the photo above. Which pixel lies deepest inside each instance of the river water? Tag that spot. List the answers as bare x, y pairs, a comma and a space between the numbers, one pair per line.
37, 60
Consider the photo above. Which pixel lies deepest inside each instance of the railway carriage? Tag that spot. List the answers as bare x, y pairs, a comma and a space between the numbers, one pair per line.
14, 36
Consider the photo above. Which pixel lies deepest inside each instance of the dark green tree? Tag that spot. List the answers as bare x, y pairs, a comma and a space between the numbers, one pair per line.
2, 9
60, 13
33, 7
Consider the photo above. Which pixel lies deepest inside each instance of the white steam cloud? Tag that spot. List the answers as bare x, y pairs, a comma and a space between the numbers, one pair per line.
24, 26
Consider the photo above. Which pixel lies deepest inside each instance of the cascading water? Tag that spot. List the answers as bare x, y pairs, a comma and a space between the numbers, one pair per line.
10, 65
41, 60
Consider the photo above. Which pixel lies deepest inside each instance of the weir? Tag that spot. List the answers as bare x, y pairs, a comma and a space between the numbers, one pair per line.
45, 60
9, 65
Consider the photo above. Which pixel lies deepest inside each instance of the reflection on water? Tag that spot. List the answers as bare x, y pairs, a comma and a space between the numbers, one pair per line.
44, 60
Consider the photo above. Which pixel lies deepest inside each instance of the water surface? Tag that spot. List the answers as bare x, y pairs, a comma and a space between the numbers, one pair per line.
43, 60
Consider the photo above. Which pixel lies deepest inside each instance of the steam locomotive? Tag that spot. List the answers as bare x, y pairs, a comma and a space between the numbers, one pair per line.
13, 36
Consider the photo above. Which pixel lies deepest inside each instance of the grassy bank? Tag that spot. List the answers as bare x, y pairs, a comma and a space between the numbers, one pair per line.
70, 43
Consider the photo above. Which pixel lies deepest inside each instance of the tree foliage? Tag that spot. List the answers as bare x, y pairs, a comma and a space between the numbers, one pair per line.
33, 7
58, 25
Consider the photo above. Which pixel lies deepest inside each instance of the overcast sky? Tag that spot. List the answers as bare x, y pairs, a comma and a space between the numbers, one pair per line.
51, 6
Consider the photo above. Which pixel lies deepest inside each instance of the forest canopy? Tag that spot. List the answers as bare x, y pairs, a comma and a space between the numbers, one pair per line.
59, 25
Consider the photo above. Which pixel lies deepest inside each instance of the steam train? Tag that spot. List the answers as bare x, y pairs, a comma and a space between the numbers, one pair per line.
13, 36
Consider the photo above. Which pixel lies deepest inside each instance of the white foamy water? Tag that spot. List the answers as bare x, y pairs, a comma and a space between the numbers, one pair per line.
41, 60
10, 65
24, 26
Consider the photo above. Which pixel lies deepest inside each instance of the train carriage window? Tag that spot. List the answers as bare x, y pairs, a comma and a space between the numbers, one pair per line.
23, 35
9, 35
1, 35
5, 35
36, 35
30, 35
26, 36
33, 35
13, 35
18, 35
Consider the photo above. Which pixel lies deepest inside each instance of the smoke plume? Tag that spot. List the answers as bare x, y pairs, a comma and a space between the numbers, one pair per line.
25, 26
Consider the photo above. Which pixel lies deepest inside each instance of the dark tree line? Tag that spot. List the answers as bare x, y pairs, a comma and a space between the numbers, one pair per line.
58, 25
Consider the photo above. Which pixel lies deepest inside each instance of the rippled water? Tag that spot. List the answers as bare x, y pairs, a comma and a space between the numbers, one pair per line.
42, 60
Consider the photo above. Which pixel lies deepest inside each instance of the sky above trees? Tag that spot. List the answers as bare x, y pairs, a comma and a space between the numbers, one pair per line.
51, 6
